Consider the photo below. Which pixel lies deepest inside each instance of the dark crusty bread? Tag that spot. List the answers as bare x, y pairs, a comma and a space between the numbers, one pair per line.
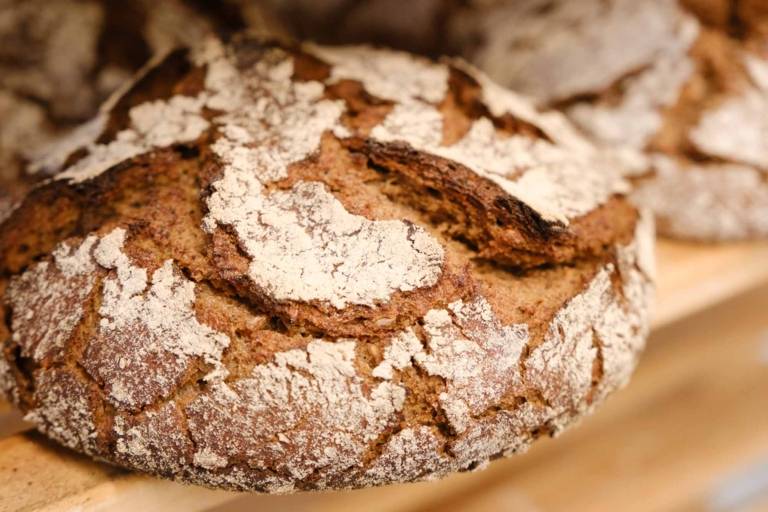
284, 268
683, 87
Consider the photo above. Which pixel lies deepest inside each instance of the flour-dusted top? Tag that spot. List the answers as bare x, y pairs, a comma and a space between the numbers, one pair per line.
303, 244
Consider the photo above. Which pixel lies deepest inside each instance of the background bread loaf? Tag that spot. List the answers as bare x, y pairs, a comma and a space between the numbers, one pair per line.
60, 59
682, 85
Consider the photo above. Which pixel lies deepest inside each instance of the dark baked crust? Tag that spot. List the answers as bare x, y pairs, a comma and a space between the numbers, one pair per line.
138, 329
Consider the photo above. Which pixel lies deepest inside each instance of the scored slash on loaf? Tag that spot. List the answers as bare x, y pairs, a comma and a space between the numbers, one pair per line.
283, 268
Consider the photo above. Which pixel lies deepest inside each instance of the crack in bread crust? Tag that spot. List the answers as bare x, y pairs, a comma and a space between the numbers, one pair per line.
190, 358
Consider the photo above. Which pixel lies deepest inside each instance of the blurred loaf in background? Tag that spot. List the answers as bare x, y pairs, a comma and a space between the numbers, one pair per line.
60, 59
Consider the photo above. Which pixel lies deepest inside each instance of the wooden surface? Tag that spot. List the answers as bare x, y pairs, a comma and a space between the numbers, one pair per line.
692, 277
691, 417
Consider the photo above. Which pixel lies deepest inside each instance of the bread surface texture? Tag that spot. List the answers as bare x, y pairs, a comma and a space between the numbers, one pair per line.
280, 268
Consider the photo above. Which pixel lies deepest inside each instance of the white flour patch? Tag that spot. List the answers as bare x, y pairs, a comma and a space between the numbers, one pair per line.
63, 410
306, 246
386, 74
53, 156
723, 201
153, 125
737, 130
306, 410
398, 354
411, 454
47, 299
574, 48
478, 357
162, 309
561, 366
153, 441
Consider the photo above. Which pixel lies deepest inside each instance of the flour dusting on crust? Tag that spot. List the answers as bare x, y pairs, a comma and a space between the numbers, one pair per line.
561, 367
502, 433
725, 201
56, 290
575, 48
305, 411
160, 310
478, 357
303, 243
737, 130
64, 410
306, 246
153, 125
154, 441
147, 331
52, 157
411, 454
386, 74
398, 354
622, 329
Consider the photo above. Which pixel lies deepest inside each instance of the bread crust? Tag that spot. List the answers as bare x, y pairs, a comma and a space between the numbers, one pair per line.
283, 268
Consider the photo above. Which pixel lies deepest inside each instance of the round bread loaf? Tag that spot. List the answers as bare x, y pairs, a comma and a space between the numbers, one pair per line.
283, 268
684, 87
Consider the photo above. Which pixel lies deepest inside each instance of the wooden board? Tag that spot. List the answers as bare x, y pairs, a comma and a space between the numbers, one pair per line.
692, 278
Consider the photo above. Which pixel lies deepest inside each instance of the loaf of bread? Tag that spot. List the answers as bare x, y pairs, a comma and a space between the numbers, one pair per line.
283, 268
684, 88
